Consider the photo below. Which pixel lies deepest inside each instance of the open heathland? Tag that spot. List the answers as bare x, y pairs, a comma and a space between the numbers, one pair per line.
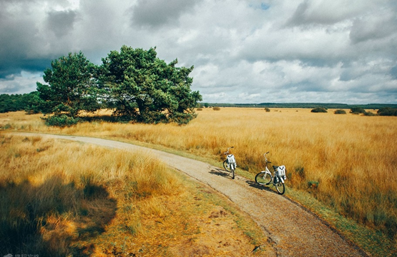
347, 162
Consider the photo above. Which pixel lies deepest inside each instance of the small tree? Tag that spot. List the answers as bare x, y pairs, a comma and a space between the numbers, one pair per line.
71, 87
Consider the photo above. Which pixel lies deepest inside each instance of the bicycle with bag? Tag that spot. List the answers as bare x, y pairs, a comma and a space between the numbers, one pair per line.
230, 163
265, 177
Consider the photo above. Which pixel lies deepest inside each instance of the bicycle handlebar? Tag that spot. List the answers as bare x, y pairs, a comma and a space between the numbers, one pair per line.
266, 158
225, 153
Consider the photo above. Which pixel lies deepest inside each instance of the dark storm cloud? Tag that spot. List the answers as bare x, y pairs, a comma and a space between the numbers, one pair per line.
61, 22
25, 36
16, 66
157, 13
16, 40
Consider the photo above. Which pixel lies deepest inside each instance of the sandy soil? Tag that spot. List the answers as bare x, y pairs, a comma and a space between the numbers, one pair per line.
293, 231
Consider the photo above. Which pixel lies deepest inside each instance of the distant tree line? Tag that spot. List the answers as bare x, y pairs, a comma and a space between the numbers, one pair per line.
17, 102
383, 109
135, 83
302, 105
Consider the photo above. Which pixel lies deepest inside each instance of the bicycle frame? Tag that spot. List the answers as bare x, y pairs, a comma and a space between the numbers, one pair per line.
276, 170
265, 177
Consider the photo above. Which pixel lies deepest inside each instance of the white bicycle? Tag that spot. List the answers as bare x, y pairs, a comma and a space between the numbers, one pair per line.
265, 177
230, 163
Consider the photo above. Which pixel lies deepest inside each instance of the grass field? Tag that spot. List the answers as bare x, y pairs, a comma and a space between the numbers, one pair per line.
347, 162
60, 198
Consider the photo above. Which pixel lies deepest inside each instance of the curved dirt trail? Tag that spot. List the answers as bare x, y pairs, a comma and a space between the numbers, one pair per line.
292, 230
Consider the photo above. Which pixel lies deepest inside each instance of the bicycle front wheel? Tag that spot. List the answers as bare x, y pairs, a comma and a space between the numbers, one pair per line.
233, 168
226, 166
280, 187
263, 178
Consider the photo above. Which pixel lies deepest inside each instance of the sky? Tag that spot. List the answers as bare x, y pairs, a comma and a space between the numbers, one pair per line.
253, 51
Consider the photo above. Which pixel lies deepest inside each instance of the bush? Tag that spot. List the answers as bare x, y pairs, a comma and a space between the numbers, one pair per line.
369, 114
319, 109
183, 118
387, 111
61, 121
216, 108
357, 110
267, 109
340, 112
199, 109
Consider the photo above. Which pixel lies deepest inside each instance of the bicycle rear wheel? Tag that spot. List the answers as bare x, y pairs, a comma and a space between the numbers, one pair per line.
263, 178
280, 187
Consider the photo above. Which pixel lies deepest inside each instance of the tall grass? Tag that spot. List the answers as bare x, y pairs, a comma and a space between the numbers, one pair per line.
54, 194
61, 198
346, 161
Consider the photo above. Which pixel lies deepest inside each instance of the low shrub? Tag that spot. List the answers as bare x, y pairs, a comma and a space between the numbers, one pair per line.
7, 126
319, 109
387, 111
216, 108
313, 184
369, 114
340, 112
61, 121
357, 110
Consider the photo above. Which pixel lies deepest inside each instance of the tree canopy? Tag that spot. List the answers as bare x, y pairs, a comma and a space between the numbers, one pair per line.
134, 82
71, 86
142, 86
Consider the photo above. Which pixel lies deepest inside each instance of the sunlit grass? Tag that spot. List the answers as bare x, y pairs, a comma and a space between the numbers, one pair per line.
348, 162
63, 198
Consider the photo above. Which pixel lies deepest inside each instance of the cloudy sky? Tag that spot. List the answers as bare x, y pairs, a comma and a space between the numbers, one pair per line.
243, 51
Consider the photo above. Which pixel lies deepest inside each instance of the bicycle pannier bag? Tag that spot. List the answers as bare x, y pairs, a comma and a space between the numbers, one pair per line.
280, 172
230, 159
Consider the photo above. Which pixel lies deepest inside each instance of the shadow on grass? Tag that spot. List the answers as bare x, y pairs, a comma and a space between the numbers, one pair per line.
45, 220
107, 118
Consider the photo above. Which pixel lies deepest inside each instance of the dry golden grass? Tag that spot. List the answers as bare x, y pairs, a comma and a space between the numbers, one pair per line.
60, 198
346, 161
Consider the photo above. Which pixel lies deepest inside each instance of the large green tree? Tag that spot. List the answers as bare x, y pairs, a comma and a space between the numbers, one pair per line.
71, 86
147, 89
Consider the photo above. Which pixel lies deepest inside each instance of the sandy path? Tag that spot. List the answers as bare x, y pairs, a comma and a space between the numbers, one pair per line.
293, 230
